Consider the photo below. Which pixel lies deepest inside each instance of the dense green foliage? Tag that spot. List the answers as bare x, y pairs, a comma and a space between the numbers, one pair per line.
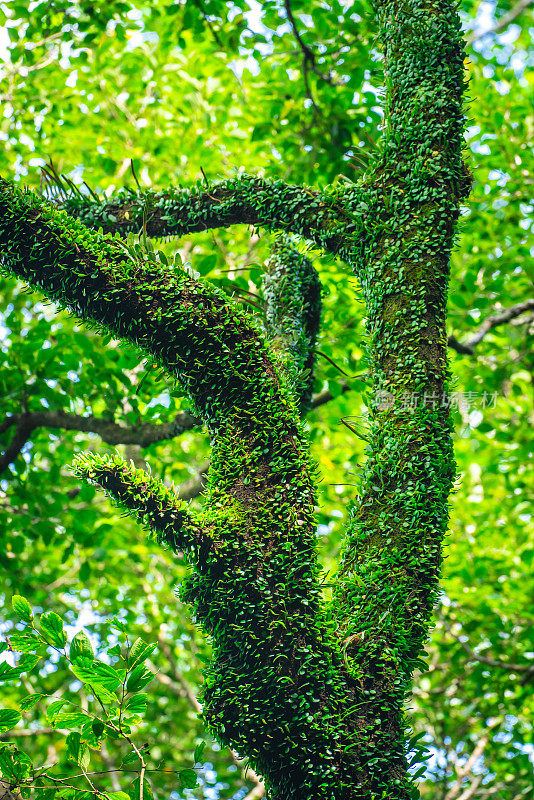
184, 109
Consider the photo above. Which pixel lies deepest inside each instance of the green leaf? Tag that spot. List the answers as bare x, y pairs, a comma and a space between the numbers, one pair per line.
78, 750
81, 650
22, 607
199, 749
70, 719
136, 704
139, 652
206, 264
130, 757
139, 678
26, 663
92, 732
188, 778
27, 703
54, 707
27, 642
52, 627
14, 764
133, 790
8, 719
100, 674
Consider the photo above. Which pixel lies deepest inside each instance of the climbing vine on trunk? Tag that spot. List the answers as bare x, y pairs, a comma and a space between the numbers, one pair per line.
312, 691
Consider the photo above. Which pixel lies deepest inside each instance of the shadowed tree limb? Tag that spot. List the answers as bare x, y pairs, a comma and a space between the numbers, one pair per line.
147, 433
23, 432
144, 434
292, 292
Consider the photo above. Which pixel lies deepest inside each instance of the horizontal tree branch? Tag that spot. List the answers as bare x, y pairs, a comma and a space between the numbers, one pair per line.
148, 433
468, 347
143, 434
24, 733
491, 662
325, 218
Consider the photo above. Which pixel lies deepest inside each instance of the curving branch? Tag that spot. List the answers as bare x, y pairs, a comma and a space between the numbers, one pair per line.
468, 347
326, 218
165, 312
491, 662
254, 549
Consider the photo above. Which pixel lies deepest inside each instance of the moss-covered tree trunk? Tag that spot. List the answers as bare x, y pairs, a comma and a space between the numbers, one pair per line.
312, 691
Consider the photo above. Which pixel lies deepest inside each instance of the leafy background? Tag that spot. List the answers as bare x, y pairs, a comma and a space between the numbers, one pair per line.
183, 91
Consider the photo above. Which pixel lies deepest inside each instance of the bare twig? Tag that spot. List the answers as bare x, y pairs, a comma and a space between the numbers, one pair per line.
468, 347
310, 60
504, 21
463, 771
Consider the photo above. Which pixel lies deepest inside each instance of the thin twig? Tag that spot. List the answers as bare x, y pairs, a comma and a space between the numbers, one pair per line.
504, 21
468, 347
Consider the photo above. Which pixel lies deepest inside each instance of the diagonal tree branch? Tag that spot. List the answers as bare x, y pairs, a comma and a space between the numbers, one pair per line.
468, 347
147, 499
23, 432
503, 22
491, 662
465, 770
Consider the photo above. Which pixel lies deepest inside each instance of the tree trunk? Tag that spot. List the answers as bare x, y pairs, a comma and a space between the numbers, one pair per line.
312, 692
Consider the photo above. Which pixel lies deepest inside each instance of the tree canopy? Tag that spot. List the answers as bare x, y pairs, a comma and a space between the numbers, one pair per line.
151, 98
